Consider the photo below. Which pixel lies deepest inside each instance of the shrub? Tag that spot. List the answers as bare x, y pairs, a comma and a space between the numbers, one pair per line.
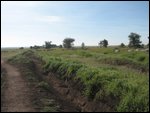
44, 85
141, 58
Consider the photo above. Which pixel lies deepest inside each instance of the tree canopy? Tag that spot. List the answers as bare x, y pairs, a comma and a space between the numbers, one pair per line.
134, 40
82, 45
48, 44
122, 45
68, 42
103, 43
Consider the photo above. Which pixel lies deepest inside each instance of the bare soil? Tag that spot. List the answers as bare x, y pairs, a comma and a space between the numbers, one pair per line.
16, 96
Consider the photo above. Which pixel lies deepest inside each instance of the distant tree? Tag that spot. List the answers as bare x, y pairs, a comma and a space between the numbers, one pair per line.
53, 46
43, 46
142, 46
103, 43
36, 47
122, 45
48, 44
134, 40
60, 46
68, 42
31, 47
21, 48
100, 43
82, 45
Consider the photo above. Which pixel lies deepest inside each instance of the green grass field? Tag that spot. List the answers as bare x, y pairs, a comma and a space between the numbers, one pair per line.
119, 79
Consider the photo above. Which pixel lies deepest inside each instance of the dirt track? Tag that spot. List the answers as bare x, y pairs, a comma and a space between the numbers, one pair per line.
16, 96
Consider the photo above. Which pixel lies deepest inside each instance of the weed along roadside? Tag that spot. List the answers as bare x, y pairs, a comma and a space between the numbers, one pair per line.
65, 83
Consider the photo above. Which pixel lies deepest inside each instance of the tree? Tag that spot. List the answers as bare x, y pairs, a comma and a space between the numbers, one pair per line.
36, 47
60, 46
48, 44
82, 45
122, 45
103, 43
142, 46
134, 40
21, 48
68, 42
100, 43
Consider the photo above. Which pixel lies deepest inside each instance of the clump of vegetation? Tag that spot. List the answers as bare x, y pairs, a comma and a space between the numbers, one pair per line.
129, 62
85, 54
141, 58
49, 105
104, 83
43, 85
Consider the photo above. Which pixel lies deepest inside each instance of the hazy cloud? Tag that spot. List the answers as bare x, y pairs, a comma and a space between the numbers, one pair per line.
50, 19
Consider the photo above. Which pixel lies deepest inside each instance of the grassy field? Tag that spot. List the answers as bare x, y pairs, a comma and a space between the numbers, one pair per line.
106, 75
8, 53
119, 79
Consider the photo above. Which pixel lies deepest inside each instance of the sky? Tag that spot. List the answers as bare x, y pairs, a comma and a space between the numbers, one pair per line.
29, 23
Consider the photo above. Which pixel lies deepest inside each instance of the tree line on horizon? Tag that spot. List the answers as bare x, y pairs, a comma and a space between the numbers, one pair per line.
134, 42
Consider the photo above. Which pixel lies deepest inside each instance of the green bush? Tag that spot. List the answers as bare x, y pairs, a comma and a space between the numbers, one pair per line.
85, 54
44, 85
141, 58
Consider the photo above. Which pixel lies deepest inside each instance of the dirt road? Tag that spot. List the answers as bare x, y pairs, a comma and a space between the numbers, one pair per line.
16, 96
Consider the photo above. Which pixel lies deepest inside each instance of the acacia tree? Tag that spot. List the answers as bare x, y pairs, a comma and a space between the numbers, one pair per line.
68, 42
103, 43
134, 40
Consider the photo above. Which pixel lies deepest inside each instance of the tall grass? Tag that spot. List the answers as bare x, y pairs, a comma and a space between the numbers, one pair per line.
105, 84
123, 91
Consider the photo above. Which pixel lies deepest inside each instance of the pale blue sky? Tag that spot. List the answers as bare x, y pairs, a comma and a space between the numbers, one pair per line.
29, 23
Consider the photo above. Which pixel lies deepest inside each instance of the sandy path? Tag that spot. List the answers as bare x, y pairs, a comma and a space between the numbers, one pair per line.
16, 97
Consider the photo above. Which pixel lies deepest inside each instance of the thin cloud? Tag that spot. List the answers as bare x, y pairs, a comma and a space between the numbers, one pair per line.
50, 19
